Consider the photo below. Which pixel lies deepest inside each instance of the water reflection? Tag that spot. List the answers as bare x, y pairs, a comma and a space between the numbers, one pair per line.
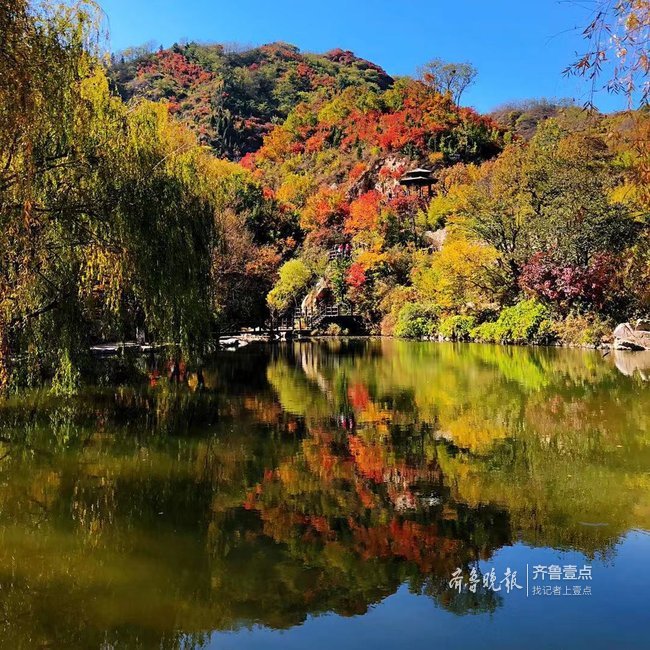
308, 479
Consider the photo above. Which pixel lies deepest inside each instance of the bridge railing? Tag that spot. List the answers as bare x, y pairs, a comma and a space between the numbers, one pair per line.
313, 317
338, 253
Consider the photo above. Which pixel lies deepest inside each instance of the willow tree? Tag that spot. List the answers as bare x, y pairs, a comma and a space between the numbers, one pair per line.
102, 221
619, 33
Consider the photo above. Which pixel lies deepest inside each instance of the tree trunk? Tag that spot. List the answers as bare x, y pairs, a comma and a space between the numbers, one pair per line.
4, 358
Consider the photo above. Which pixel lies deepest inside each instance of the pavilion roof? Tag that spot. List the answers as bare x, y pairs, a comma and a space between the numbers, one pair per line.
418, 170
418, 176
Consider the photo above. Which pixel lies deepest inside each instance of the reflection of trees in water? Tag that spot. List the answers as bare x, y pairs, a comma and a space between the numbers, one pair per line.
558, 437
463, 602
160, 511
343, 504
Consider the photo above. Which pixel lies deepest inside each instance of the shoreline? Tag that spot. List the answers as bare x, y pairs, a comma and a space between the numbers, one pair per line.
240, 340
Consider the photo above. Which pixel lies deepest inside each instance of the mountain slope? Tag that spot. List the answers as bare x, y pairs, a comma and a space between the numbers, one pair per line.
233, 98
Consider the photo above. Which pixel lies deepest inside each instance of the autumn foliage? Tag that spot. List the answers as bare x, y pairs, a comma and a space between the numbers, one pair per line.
569, 286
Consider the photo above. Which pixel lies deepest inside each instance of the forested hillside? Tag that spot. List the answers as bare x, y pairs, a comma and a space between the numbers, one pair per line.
551, 227
232, 97
116, 216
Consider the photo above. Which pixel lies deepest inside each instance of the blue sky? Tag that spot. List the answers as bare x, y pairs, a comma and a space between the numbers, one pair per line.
519, 47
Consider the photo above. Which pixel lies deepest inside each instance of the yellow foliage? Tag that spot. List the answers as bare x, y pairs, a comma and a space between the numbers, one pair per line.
295, 189
335, 111
370, 259
456, 275
276, 145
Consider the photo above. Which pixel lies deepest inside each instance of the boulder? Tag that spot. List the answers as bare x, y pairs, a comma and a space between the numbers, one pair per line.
232, 343
435, 238
628, 337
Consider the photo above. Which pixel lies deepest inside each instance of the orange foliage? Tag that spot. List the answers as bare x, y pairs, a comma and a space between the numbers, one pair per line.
356, 276
364, 213
371, 460
278, 144
407, 539
325, 209
357, 171
265, 262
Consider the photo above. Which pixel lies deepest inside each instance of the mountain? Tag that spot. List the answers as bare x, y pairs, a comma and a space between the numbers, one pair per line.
521, 199
522, 118
232, 98
337, 162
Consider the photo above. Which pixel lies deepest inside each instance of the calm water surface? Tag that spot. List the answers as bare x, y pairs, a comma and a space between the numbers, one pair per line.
325, 495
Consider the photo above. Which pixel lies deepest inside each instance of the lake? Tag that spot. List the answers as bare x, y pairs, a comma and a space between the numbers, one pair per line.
335, 493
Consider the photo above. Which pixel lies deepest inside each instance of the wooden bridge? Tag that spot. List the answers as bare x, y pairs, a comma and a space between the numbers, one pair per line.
341, 252
309, 319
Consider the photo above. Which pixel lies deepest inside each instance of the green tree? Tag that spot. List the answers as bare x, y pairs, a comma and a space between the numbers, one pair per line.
107, 213
294, 277
553, 195
448, 78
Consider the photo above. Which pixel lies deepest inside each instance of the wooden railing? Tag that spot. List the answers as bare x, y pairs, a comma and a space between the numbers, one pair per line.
339, 253
314, 317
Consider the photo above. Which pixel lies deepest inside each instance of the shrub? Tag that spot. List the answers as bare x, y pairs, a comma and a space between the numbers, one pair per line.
417, 320
333, 329
525, 322
569, 286
387, 326
457, 328
486, 332
394, 298
583, 330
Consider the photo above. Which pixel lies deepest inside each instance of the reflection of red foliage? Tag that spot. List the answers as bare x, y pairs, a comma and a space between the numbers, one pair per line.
369, 459
365, 495
374, 462
252, 496
359, 396
407, 539
320, 524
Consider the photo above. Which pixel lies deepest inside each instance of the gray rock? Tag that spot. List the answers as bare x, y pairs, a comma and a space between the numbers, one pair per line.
627, 337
